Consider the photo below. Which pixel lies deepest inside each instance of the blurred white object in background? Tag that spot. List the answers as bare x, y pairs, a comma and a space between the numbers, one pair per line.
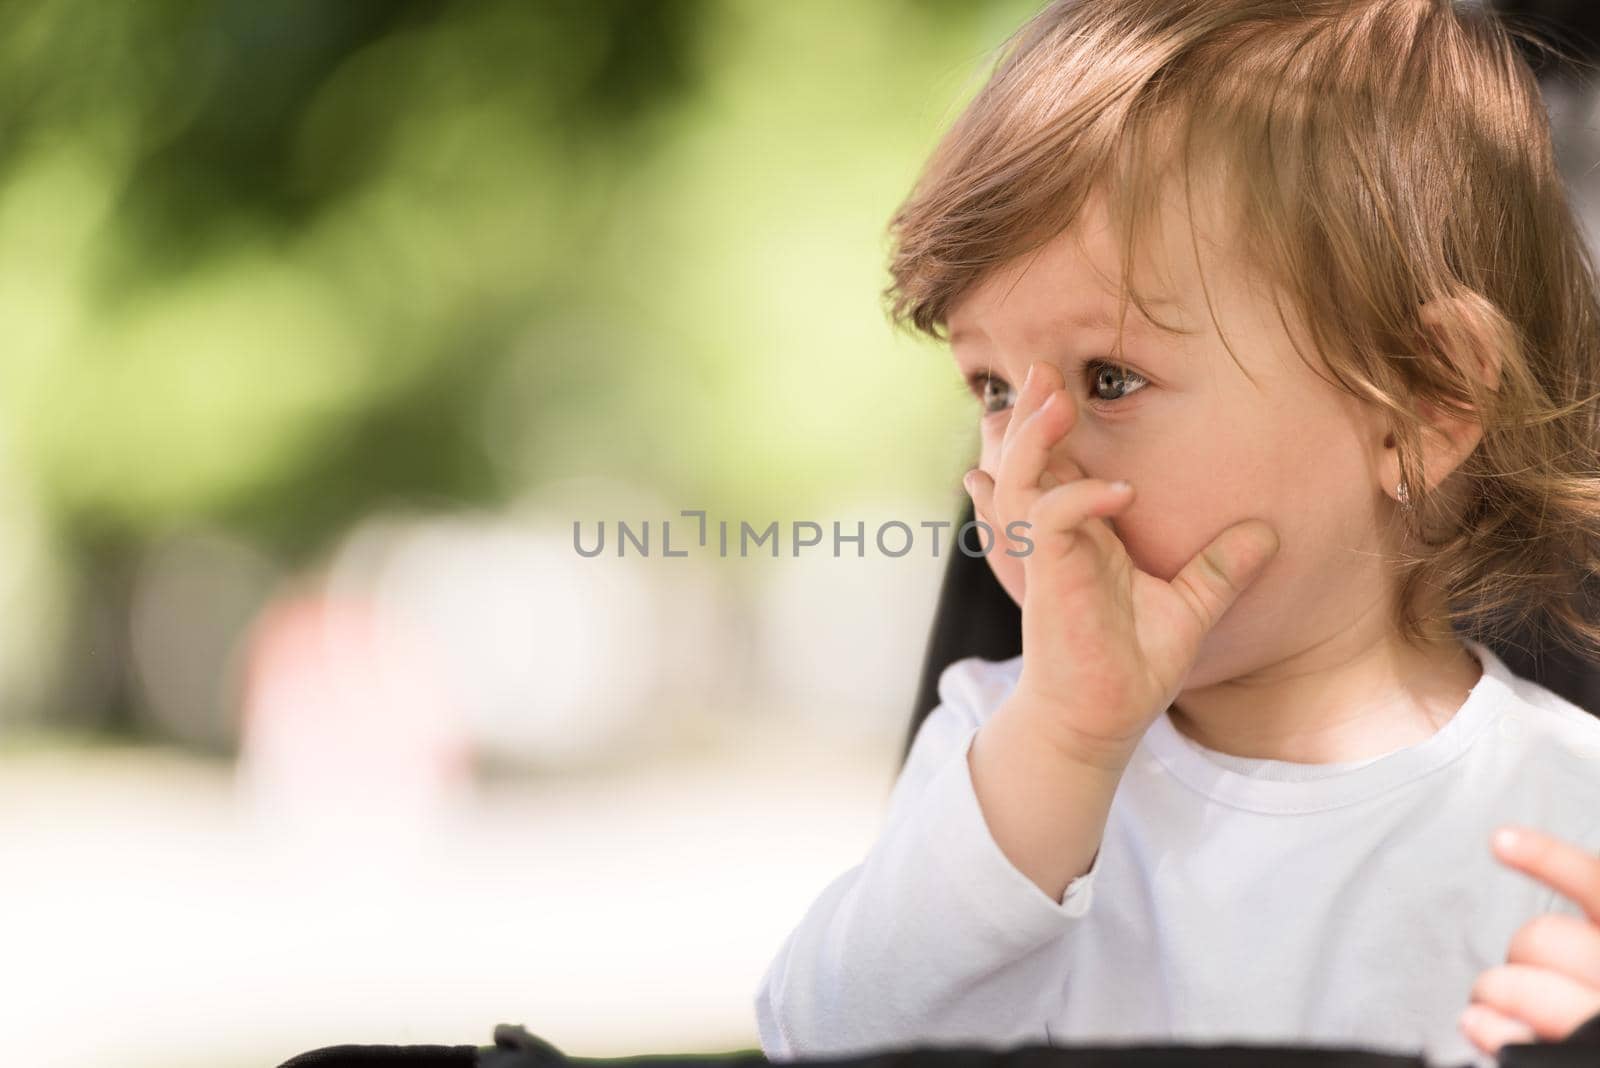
551, 656
545, 658
843, 636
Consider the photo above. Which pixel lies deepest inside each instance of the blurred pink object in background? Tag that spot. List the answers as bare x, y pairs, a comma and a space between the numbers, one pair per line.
346, 722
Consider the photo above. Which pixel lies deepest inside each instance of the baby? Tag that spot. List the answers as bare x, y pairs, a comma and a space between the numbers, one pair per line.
1303, 272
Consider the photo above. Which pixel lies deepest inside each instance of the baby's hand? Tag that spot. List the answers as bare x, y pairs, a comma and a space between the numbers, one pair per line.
1105, 646
1550, 982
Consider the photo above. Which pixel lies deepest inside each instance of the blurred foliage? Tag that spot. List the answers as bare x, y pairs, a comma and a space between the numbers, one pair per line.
244, 322
271, 268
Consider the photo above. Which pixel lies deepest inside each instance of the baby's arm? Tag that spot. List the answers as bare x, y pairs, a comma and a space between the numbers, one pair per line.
951, 930
1045, 808
938, 936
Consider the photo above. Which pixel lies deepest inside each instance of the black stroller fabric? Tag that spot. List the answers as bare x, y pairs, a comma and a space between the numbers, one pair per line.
355, 1056
515, 1047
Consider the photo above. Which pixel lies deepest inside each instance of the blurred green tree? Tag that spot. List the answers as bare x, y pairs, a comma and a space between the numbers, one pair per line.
272, 268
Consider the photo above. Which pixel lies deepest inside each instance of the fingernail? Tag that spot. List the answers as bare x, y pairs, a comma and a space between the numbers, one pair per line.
1508, 841
1027, 379
1122, 485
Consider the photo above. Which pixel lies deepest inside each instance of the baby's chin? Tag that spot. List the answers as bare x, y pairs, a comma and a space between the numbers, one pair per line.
1225, 653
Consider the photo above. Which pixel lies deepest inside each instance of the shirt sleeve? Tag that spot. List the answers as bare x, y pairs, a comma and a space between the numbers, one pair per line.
936, 937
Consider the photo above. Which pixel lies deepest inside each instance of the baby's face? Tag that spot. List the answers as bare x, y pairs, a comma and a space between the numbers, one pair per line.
1203, 445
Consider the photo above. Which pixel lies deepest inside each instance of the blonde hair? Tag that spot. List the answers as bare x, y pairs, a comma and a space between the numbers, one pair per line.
1377, 153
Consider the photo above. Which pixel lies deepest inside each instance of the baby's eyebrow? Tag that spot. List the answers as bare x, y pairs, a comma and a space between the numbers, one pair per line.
1086, 318
1102, 315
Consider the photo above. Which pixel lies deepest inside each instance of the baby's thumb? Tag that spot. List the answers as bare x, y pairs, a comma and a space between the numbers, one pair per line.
1213, 580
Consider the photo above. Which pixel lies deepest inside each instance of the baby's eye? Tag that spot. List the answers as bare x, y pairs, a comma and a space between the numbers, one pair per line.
1113, 376
994, 394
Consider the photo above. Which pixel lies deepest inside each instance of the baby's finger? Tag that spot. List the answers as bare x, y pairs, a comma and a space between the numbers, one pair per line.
1009, 570
1058, 468
1024, 460
1065, 509
1572, 872
1561, 943
1551, 1004
1041, 380
980, 487
1489, 1030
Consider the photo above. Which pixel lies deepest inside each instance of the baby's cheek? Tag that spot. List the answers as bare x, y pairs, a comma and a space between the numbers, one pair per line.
993, 433
1156, 545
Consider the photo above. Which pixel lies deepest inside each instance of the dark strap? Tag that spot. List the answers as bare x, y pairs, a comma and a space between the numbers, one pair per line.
516, 1047
351, 1056
1580, 1049
1587, 1033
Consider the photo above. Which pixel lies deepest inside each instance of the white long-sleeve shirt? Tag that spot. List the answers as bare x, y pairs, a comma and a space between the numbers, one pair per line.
1232, 899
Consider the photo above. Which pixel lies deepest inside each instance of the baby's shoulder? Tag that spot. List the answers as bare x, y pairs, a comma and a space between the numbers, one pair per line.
1542, 719
970, 689
1550, 747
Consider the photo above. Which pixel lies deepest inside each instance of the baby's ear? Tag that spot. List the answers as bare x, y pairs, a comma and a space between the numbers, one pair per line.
1470, 333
